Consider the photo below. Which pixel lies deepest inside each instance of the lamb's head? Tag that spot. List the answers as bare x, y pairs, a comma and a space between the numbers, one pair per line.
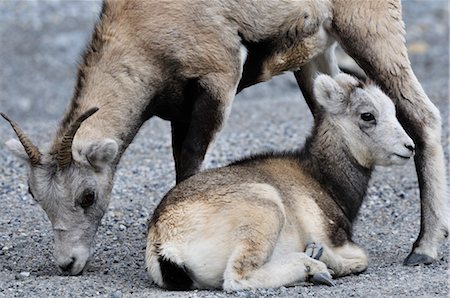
365, 118
73, 189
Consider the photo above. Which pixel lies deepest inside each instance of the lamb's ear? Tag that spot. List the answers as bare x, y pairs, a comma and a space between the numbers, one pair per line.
329, 94
348, 82
103, 153
17, 149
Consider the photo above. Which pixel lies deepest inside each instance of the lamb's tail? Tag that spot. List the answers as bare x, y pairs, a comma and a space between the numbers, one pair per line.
164, 270
174, 276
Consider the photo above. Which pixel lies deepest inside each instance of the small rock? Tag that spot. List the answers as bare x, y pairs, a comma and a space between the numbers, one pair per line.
25, 273
116, 294
122, 227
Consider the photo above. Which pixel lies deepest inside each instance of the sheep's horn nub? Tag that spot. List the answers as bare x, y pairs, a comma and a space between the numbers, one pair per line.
64, 155
32, 151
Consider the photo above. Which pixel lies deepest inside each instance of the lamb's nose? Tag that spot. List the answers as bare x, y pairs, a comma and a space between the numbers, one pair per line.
410, 147
67, 267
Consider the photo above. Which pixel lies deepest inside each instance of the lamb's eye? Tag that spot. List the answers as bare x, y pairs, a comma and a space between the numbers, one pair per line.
367, 117
87, 199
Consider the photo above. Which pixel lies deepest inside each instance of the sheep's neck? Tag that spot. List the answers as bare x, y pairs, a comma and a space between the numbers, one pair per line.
122, 94
328, 160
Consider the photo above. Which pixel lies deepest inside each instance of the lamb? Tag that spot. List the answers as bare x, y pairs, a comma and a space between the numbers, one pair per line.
279, 219
184, 61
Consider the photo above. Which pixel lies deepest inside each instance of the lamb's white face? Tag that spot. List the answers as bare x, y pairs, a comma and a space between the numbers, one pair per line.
367, 120
378, 128
73, 191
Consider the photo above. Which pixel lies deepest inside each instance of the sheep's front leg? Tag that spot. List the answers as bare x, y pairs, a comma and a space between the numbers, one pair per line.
179, 132
373, 35
247, 270
323, 63
344, 260
212, 96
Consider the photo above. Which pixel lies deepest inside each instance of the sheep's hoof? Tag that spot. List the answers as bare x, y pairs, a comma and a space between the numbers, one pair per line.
415, 259
314, 250
323, 279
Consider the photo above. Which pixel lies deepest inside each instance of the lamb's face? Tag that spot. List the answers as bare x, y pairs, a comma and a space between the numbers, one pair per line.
380, 135
367, 119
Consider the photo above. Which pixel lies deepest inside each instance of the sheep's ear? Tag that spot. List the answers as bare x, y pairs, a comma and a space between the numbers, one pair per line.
329, 94
17, 149
103, 153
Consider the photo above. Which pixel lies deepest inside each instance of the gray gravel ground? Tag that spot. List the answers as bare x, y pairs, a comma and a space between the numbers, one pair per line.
39, 45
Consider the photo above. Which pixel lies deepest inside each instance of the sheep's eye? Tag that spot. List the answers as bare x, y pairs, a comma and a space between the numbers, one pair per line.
367, 117
87, 199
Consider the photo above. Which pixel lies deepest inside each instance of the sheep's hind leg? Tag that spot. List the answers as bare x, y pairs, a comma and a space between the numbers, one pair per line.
374, 36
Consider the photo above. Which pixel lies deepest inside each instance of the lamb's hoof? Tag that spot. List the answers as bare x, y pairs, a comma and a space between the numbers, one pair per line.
314, 250
323, 279
415, 259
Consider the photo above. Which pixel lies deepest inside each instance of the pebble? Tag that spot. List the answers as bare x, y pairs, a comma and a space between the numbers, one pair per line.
117, 294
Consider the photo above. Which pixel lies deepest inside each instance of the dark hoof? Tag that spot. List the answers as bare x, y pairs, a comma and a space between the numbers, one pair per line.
323, 279
314, 250
415, 259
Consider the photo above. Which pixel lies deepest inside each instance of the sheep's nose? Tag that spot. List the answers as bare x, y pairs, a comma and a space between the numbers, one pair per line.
66, 268
410, 147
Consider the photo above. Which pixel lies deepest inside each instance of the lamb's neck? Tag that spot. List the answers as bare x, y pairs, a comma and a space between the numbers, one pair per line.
330, 162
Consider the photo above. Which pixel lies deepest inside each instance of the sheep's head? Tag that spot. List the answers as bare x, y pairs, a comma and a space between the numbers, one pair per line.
366, 119
73, 189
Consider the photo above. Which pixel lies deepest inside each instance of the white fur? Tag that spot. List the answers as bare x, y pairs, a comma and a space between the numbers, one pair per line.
329, 94
17, 149
244, 53
384, 142
102, 154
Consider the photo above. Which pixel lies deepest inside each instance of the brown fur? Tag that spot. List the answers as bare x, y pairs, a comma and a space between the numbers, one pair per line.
231, 227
